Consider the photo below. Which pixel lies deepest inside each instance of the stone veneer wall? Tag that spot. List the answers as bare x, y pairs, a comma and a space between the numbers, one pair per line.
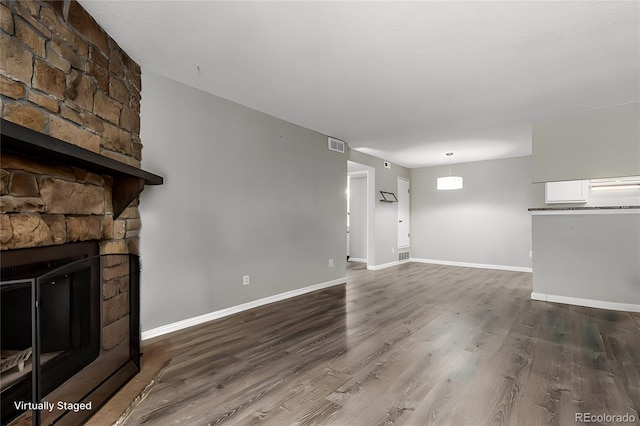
62, 75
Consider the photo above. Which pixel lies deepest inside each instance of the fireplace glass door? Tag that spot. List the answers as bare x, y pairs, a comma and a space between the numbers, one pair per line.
67, 326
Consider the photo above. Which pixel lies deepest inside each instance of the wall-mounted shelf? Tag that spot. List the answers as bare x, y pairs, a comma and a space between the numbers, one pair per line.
128, 181
388, 197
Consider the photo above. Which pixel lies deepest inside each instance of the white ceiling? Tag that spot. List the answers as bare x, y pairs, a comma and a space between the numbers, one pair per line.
404, 81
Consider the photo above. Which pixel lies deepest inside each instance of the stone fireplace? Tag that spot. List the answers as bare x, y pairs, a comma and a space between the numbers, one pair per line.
69, 309
70, 167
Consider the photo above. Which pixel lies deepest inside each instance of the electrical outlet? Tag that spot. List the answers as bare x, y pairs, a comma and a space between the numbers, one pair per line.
393, 249
330, 263
530, 254
245, 280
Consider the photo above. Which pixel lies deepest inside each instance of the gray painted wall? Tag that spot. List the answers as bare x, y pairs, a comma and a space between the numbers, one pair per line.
591, 256
485, 222
594, 144
386, 214
245, 194
588, 256
358, 217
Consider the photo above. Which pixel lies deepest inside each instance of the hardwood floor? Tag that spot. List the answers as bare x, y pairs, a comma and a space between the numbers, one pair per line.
414, 344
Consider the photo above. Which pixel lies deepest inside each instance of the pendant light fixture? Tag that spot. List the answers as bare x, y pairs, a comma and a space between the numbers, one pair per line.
449, 182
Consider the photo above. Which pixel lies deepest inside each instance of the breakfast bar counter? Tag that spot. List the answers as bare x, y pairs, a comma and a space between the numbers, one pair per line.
587, 256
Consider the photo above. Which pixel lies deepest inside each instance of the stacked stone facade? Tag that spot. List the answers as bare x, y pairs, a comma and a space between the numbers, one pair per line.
62, 75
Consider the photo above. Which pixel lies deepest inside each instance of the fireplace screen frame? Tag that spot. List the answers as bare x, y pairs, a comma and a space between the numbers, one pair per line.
122, 370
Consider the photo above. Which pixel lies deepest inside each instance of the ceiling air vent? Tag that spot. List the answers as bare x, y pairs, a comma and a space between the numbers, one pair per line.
336, 145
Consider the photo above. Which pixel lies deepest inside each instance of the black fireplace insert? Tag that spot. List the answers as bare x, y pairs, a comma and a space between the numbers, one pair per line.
70, 330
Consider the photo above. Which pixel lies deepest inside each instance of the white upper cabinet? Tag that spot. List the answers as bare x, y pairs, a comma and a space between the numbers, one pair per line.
574, 191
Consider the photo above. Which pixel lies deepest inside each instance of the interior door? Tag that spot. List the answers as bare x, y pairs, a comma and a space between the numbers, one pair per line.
404, 212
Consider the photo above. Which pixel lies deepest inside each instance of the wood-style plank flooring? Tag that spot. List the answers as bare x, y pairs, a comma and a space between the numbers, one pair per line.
414, 344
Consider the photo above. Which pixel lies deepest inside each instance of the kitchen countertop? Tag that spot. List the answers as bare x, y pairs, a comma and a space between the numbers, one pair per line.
535, 209
585, 210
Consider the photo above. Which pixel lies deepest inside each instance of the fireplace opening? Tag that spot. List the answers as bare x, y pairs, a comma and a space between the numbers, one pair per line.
64, 338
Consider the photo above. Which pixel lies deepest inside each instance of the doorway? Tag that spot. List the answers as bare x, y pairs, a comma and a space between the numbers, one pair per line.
360, 210
404, 213
357, 217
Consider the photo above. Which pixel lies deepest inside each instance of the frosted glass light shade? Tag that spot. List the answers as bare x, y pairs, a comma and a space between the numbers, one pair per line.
449, 182
615, 187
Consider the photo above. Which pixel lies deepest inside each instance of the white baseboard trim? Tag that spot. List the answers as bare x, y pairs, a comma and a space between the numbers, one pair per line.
538, 296
473, 265
590, 303
190, 322
357, 259
383, 266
